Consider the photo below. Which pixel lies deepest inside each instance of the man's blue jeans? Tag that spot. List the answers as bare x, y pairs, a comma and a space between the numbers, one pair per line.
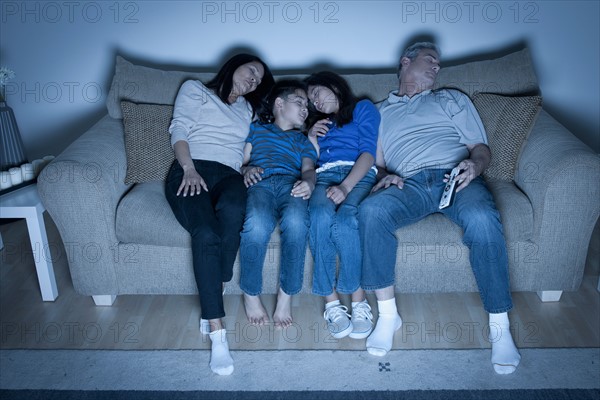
270, 201
387, 210
334, 230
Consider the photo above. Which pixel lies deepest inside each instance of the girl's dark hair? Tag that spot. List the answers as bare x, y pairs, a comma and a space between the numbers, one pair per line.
340, 89
222, 83
282, 88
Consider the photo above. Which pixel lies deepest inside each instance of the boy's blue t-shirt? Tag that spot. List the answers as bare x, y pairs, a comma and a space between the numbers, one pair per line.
278, 151
359, 136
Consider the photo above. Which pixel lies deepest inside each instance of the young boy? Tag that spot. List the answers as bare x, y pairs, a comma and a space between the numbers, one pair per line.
279, 171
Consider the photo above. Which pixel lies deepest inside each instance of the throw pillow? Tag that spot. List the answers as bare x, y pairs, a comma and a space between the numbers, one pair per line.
507, 121
147, 141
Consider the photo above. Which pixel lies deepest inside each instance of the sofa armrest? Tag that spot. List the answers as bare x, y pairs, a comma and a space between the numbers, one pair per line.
80, 190
561, 176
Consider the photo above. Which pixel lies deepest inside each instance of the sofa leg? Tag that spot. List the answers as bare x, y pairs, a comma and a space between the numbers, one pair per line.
549, 295
104, 300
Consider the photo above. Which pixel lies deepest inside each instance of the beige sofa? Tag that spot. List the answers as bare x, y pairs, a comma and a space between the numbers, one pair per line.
125, 239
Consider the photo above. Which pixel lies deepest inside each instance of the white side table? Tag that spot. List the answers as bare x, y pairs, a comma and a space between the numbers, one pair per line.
26, 203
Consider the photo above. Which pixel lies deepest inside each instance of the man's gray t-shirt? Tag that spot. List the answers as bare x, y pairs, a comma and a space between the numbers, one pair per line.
429, 130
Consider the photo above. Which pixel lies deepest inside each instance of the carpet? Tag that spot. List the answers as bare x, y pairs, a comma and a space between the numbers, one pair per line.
324, 374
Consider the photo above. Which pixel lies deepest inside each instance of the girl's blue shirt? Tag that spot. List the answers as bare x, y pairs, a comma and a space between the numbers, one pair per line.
359, 136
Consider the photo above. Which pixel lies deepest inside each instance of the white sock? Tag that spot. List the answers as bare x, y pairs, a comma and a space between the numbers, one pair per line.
221, 362
505, 356
204, 326
380, 341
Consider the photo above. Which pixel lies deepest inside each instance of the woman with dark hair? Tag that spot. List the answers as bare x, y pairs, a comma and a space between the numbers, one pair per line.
346, 131
204, 186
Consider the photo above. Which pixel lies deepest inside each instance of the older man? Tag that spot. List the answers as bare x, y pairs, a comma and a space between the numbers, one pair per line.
423, 135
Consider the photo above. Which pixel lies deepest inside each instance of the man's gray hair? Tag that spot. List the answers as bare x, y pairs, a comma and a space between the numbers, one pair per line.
413, 50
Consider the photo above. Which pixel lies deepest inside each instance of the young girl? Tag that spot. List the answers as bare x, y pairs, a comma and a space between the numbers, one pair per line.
347, 139
279, 172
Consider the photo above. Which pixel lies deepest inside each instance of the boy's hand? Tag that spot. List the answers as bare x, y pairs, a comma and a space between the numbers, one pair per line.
252, 175
302, 189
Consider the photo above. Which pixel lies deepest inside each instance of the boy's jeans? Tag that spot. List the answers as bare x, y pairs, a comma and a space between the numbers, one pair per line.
269, 202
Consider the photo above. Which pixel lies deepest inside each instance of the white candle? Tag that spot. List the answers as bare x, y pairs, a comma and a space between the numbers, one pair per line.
5, 182
48, 159
37, 166
27, 172
15, 176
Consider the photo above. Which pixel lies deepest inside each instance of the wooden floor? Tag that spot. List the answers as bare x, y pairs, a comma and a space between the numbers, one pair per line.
431, 321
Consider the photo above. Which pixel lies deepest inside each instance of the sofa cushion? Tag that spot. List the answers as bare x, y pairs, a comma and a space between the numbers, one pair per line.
147, 141
141, 84
510, 75
507, 121
145, 217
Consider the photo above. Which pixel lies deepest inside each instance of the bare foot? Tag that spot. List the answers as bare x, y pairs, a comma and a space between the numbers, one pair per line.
255, 311
283, 312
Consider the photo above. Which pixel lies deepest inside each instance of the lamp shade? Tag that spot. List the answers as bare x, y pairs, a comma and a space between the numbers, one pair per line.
12, 152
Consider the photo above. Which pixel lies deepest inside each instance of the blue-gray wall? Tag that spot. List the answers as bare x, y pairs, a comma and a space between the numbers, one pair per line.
63, 51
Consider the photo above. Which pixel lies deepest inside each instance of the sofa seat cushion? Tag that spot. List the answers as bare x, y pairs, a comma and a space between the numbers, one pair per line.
145, 217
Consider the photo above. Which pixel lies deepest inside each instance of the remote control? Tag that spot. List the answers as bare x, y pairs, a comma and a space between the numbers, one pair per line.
449, 189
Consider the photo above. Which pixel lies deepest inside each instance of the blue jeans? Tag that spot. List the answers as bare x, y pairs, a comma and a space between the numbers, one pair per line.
387, 210
214, 220
334, 230
270, 201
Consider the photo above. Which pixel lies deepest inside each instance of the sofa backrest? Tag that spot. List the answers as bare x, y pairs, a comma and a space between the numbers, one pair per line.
511, 74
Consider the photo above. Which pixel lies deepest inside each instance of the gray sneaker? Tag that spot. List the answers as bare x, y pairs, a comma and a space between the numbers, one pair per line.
338, 321
362, 320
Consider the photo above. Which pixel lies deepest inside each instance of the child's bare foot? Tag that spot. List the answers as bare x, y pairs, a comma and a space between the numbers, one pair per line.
255, 311
283, 312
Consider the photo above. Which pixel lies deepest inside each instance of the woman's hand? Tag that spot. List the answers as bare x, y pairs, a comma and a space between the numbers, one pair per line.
191, 183
320, 128
252, 175
337, 194
302, 189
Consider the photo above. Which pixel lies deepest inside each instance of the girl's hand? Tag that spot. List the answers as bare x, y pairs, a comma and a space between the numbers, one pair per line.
252, 175
302, 189
320, 128
337, 194
191, 183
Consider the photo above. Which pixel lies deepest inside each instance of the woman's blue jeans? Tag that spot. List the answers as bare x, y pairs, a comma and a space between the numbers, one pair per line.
334, 231
387, 210
214, 220
269, 202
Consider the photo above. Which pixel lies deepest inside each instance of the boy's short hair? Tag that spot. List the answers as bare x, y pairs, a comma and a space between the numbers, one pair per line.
282, 88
